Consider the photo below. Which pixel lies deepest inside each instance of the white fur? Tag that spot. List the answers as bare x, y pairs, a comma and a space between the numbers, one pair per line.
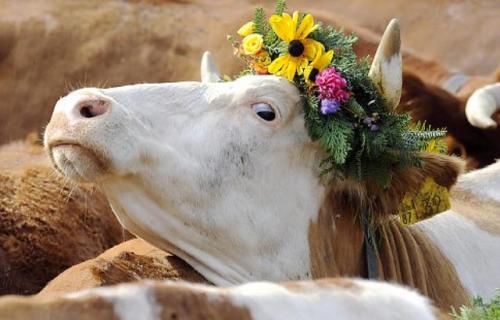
474, 253
130, 302
366, 300
232, 194
484, 183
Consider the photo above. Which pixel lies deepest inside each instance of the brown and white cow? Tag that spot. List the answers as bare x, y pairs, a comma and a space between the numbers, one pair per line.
320, 300
471, 119
193, 169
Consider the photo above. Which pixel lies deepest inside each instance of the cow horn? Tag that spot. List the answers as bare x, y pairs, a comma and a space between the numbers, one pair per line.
209, 71
386, 68
482, 104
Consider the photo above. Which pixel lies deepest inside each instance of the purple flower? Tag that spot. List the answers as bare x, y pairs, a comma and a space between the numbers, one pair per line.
374, 127
368, 120
329, 106
331, 85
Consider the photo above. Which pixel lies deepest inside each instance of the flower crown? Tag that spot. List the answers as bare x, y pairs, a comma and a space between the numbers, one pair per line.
343, 110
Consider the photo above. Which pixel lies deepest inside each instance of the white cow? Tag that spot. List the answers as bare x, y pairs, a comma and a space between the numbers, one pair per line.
225, 176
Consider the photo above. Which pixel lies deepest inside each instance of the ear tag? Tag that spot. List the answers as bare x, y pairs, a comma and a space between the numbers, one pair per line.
428, 201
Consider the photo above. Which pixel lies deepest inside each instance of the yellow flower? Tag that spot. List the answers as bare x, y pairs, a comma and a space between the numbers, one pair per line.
252, 43
301, 50
320, 62
246, 29
261, 61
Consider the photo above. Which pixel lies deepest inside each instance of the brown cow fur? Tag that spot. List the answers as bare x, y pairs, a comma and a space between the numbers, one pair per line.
406, 255
177, 301
46, 224
441, 109
129, 261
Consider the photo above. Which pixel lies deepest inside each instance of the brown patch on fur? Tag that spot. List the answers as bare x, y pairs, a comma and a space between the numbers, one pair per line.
171, 301
419, 264
91, 307
468, 205
406, 255
383, 202
179, 302
128, 267
332, 255
129, 261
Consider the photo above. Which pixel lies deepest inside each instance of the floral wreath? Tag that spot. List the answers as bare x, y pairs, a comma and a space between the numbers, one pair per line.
342, 108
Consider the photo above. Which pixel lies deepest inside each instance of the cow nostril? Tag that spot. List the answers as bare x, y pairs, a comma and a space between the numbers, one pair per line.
92, 108
86, 112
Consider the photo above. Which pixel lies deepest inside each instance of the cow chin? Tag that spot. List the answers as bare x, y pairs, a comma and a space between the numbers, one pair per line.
77, 162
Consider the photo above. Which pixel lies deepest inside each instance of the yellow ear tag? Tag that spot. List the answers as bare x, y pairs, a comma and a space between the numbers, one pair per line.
428, 201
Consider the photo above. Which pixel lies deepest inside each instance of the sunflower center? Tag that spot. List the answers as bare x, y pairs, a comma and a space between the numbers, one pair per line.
314, 73
295, 48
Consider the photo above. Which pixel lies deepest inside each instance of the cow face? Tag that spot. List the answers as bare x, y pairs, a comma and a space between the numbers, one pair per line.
222, 174
196, 162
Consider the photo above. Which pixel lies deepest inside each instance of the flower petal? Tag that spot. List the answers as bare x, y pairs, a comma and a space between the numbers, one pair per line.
295, 19
311, 48
325, 60
306, 27
246, 29
278, 64
282, 26
291, 69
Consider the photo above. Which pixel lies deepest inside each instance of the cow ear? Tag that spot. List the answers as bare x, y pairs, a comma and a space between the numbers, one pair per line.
208, 70
444, 170
386, 68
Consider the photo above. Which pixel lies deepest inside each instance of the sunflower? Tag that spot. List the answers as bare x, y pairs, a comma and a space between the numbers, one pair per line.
320, 62
301, 49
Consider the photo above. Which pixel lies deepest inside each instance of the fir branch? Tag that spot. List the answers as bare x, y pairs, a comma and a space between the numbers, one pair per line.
280, 7
260, 21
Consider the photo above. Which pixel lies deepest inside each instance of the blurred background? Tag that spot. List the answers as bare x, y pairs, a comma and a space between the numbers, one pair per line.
48, 47
451, 48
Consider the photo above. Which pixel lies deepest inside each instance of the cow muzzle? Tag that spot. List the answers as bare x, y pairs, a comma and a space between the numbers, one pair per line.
67, 141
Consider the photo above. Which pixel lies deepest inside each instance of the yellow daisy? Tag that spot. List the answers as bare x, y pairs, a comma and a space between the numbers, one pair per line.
301, 50
320, 62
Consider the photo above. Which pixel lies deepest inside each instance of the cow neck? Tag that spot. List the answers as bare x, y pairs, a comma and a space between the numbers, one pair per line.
405, 255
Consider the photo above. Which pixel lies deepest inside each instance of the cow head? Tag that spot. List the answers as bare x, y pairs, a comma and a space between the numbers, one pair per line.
222, 174
471, 120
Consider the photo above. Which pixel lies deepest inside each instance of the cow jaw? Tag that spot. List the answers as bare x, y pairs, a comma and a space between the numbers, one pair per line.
192, 169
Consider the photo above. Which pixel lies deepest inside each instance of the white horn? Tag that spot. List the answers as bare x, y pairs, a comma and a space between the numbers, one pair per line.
209, 71
386, 68
481, 106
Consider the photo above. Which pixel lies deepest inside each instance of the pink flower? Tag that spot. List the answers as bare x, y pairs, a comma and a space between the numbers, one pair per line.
332, 85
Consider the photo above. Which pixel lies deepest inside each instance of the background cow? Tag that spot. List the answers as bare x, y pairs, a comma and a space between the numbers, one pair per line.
47, 223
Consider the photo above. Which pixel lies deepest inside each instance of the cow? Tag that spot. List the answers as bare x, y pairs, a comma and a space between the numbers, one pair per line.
194, 170
471, 119
323, 299
47, 223
128, 261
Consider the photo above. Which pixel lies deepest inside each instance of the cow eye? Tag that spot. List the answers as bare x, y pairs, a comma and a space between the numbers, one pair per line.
264, 111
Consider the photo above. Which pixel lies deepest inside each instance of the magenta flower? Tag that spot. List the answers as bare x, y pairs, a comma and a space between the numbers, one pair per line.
332, 85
